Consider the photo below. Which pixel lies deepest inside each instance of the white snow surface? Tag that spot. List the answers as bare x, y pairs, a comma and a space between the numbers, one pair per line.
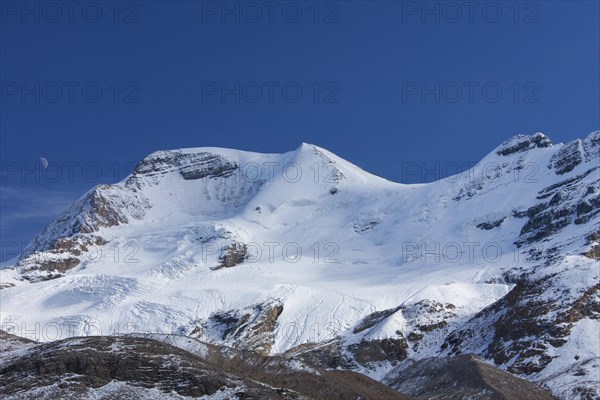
328, 240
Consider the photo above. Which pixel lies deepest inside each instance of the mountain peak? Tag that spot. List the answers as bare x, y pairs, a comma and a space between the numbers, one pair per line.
306, 146
237, 247
521, 143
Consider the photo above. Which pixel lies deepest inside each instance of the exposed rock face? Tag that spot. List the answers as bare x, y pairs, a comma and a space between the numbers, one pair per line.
563, 203
491, 224
61, 244
5, 285
593, 241
511, 165
190, 166
168, 367
249, 329
527, 324
95, 362
426, 317
330, 354
521, 143
235, 254
370, 351
462, 377
574, 153
593, 252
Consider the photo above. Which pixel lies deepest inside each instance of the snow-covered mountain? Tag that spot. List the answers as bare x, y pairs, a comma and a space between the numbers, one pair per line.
305, 255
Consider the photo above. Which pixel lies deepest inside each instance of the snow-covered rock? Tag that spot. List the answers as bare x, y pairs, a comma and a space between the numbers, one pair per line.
306, 254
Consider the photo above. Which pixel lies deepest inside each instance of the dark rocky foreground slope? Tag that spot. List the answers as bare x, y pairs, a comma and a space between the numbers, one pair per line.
134, 367
175, 367
463, 377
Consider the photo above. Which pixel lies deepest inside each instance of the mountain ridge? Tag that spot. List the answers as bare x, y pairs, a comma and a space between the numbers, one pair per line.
305, 253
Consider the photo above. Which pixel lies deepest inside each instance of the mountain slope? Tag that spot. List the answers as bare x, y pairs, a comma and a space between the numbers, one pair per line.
307, 255
465, 376
162, 366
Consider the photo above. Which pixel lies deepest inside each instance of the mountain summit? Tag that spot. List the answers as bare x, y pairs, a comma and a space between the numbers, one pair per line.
305, 255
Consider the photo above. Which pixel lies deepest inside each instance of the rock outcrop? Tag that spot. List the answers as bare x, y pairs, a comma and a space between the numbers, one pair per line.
169, 367
462, 377
250, 329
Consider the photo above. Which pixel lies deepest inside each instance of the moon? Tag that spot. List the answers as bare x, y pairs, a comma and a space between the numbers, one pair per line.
44, 163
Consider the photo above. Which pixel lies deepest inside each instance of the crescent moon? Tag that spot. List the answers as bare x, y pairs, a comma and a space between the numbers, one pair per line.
44, 162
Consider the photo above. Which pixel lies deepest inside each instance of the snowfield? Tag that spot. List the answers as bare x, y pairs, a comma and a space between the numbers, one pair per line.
328, 241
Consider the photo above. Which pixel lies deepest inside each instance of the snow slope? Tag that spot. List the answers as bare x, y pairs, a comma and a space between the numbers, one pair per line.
303, 247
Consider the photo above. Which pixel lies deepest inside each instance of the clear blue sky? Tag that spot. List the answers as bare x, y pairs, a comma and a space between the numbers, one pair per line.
383, 84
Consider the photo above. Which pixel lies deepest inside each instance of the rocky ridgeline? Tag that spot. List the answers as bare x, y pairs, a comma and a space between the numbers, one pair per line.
522, 331
463, 377
168, 367
190, 166
62, 244
158, 366
553, 289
